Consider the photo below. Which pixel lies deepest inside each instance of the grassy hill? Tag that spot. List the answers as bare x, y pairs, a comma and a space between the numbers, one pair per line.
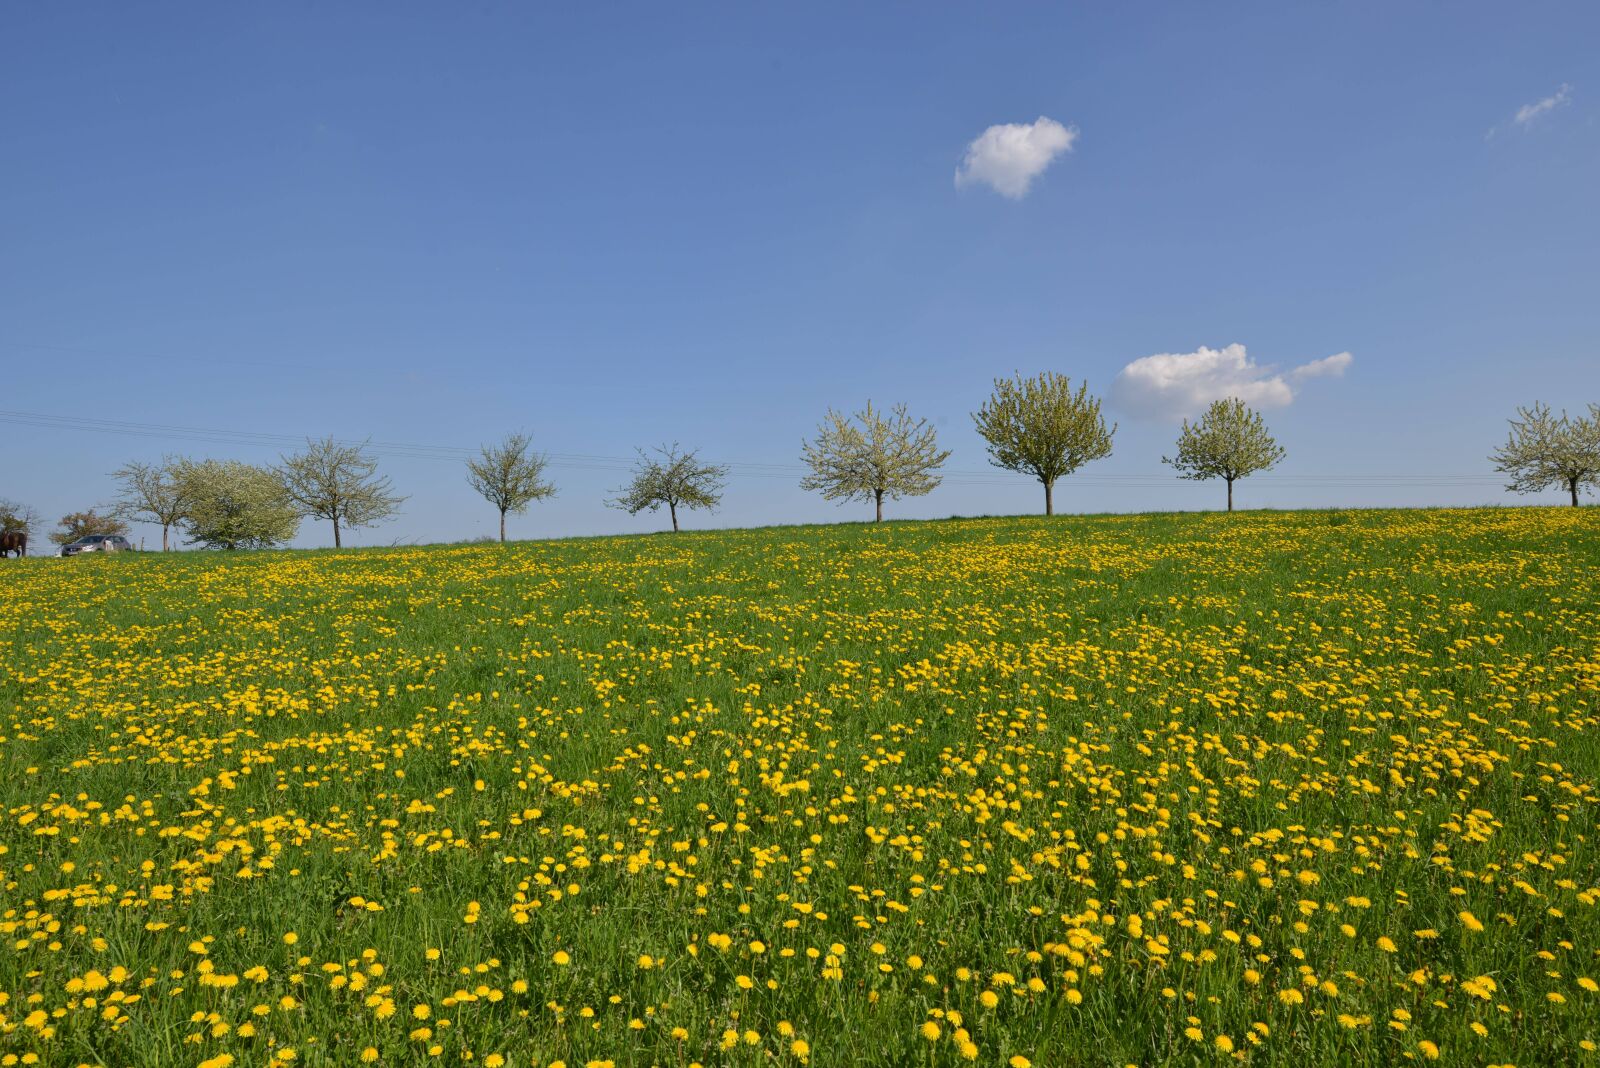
1312, 787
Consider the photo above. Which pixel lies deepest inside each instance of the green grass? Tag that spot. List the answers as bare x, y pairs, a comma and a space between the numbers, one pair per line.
1167, 768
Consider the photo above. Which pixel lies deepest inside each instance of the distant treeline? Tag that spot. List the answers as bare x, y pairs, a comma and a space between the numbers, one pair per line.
1040, 427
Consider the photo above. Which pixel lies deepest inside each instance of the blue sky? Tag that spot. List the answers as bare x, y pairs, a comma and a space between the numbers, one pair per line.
613, 226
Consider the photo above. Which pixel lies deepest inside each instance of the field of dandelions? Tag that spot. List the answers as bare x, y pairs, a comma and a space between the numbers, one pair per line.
1301, 788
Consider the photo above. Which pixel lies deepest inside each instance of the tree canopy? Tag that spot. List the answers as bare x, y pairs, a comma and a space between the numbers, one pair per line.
872, 456
233, 505
75, 525
150, 493
1230, 441
1546, 450
510, 476
677, 480
1038, 426
16, 517
338, 482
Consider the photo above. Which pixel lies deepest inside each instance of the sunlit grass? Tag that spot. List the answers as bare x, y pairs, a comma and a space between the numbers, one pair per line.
1312, 788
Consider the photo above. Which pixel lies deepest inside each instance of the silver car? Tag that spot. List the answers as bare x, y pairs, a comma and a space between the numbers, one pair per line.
97, 543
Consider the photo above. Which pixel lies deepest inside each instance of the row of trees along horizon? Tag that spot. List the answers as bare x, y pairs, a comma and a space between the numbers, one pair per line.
1039, 426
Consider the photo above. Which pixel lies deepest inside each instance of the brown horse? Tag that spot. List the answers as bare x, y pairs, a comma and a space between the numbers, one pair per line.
14, 541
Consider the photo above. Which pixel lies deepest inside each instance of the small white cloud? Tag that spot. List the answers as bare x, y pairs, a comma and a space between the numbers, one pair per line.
1009, 157
1527, 113
1180, 384
1327, 367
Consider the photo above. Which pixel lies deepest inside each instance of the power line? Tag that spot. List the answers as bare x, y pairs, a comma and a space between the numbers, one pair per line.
742, 469
163, 357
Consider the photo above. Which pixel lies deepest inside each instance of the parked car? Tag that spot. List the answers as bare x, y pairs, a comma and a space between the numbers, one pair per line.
97, 543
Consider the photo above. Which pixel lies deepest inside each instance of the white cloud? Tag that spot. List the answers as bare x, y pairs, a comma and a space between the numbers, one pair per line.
1327, 367
1009, 157
1527, 113
1179, 384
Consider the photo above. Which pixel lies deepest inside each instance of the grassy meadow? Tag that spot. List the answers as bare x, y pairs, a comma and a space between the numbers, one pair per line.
1296, 788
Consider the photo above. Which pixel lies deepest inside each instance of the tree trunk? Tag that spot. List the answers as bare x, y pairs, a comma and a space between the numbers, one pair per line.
1572, 484
880, 507
1230, 494
1049, 498
163, 537
502, 526
336, 543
